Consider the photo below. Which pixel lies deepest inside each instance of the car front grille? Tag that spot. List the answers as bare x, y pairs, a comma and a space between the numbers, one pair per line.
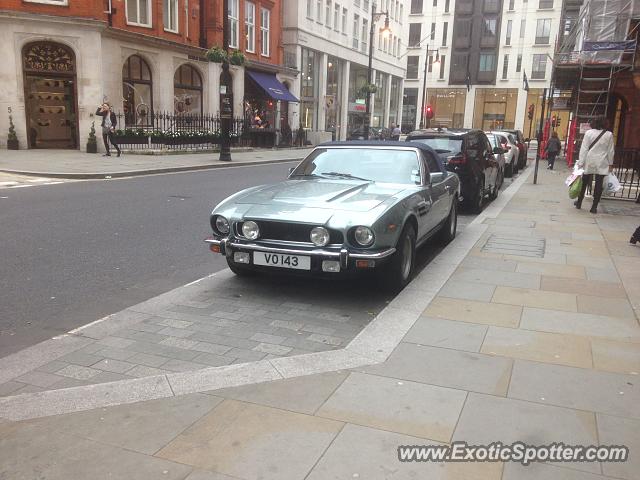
290, 232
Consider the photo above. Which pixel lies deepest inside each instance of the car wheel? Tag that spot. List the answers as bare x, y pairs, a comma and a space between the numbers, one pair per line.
449, 228
398, 271
514, 168
508, 171
240, 271
478, 201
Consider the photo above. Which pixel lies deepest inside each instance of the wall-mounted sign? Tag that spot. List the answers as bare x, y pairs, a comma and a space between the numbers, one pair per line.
226, 105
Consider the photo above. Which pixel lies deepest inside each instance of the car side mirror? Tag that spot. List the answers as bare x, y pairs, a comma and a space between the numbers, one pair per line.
436, 177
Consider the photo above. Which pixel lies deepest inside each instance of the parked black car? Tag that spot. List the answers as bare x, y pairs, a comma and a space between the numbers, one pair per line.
375, 133
468, 153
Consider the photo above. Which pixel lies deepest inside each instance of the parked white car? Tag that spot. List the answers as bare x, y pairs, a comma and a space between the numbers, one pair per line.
509, 143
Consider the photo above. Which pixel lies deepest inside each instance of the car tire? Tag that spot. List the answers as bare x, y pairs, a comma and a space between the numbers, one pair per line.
515, 167
508, 171
496, 188
478, 199
449, 228
240, 271
398, 271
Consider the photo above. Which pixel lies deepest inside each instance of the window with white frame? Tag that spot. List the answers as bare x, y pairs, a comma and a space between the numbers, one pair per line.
523, 26
505, 67
233, 23
139, 12
309, 8
539, 67
61, 3
543, 31
170, 15
508, 36
250, 26
265, 26
336, 17
365, 34
327, 14
319, 11
356, 31
344, 21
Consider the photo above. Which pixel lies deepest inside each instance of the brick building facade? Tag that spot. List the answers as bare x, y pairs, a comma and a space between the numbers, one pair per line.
63, 58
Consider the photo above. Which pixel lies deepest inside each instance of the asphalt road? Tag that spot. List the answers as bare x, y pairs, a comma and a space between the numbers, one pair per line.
76, 252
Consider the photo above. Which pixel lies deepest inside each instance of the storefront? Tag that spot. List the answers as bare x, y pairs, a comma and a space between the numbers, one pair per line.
357, 98
309, 89
380, 100
335, 72
49, 71
409, 109
495, 108
394, 94
266, 101
448, 106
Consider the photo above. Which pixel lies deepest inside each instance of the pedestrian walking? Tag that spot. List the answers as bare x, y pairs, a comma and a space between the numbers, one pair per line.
596, 158
395, 132
552, 148
109, 122
635, 238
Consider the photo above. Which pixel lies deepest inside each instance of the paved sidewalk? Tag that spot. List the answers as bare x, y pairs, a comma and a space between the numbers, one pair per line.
76, 164
524, 329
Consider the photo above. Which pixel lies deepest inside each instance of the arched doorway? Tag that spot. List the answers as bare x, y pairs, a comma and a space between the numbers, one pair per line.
49, 71
137, 91
187, 90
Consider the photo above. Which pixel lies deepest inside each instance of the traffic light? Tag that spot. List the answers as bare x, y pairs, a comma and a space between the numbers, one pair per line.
428, 112
558, 121
553, 121
532, 107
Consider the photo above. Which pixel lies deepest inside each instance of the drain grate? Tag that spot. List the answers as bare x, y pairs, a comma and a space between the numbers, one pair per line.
522, 246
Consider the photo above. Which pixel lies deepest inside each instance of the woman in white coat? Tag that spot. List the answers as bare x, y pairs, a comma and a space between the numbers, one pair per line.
596, 157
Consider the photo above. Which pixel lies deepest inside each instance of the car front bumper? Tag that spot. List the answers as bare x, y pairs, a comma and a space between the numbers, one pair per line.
348, 258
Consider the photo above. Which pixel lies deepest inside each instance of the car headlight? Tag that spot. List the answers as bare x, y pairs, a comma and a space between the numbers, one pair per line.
363, 235
319, 236
221, 225
250, 230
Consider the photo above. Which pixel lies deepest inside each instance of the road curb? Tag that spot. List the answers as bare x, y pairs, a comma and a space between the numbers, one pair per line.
373, 345
153, 171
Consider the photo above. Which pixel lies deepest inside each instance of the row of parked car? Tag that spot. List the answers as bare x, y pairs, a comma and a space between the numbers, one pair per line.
481, 160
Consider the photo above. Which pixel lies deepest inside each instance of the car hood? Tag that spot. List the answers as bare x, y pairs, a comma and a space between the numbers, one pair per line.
332, 195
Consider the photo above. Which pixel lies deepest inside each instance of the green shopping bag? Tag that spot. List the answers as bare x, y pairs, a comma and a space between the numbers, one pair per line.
575, 187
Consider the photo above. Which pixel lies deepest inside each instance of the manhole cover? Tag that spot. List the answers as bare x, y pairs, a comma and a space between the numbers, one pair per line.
522, 246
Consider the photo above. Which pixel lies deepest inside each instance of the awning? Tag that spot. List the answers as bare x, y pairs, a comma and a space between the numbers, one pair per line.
272, 86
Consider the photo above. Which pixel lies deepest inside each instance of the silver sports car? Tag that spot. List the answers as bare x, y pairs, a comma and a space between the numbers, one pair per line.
347, 207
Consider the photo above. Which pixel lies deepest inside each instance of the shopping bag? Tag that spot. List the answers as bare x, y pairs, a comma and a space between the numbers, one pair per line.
577, 173
576, 186
611, 184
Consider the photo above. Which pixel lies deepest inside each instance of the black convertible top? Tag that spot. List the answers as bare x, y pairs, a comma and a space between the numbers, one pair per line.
378, 143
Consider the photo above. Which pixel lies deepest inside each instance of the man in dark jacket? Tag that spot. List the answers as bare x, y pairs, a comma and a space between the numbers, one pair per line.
109, 122
553, 147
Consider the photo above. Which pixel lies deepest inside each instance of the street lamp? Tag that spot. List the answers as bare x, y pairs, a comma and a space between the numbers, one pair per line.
436, 64
385, 31
226, 91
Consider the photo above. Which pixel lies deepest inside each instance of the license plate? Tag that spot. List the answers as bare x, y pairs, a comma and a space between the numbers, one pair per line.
280, 260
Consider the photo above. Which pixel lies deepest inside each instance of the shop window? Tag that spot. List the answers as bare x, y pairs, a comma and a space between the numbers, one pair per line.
448, 105
543, 31
234, 14
137, 90
409, 109
170, 15
265, 26
308, 94
539, 67
187, 90
139, 12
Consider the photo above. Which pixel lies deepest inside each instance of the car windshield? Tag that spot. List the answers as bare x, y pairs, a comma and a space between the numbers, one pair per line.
362, 163
452, 146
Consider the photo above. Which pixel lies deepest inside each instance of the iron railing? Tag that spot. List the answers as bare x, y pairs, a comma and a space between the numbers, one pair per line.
627, 168
157, 130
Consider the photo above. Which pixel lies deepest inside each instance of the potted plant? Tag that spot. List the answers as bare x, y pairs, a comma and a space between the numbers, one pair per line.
216, 55
92, 144
12, 138
236, 58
